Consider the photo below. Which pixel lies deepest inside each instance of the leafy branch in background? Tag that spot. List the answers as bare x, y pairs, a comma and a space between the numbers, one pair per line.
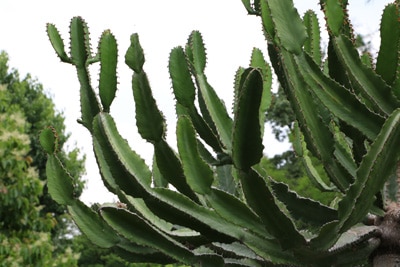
225, 209
33, 228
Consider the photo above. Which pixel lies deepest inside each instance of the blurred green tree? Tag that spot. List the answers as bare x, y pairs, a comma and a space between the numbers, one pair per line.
34, 229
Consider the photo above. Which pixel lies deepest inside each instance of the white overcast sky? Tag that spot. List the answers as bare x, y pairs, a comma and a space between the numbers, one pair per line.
229, 34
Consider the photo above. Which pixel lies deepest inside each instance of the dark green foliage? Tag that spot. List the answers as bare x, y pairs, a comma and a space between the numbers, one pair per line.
93, 256
215, 201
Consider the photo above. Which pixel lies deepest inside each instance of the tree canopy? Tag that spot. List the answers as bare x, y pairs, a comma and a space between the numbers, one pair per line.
33, 228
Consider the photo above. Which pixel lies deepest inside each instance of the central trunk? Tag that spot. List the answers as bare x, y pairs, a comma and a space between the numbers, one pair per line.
388, 252
387, 260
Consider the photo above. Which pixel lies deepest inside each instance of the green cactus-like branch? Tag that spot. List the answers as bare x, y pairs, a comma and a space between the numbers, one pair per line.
108, 69
211, 202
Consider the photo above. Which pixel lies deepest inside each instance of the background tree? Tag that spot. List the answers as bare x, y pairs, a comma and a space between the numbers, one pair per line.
27, 211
